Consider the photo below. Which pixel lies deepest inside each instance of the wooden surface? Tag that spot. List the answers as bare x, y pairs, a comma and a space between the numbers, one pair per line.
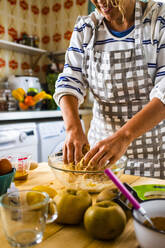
58, 236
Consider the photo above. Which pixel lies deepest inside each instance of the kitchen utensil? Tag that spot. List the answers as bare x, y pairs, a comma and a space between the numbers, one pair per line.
141, 193
129, 196
150, 191
124, 202
24, 215
7, 102
93, 181
21, 162
146, 236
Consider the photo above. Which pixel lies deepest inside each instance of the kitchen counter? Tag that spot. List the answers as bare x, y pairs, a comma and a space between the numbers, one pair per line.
42, 114
60, 236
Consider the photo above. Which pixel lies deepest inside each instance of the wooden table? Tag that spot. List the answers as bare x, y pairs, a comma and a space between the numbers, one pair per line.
59, 236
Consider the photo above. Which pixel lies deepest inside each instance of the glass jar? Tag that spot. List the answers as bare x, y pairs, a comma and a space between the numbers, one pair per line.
7, 102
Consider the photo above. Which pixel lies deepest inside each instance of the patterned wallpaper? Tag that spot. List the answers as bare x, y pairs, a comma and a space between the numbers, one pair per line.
52, 21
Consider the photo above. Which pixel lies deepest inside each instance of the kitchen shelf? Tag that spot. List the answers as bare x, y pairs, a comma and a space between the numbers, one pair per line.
25, 49
21, 48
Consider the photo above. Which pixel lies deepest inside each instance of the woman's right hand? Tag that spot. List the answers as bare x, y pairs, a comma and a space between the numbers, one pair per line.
75, 137
73, 146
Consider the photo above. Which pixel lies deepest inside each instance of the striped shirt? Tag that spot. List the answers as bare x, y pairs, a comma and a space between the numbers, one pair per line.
71, 81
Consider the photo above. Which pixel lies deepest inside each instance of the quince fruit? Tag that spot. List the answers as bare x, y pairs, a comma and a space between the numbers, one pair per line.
111, 194
104, 220
107, 194
42, 188
71, 205
34, 197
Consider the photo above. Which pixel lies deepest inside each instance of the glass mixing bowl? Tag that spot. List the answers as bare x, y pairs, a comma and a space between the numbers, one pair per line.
92, 181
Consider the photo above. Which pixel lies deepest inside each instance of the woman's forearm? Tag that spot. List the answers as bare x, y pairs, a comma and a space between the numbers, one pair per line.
114, 146
69, 108
143, 121
75, 137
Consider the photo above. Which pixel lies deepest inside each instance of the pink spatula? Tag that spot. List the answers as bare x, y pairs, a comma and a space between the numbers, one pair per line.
128, 195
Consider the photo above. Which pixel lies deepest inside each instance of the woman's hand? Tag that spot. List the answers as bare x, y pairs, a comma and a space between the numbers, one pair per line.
113, 147
75, 137
109, 149
73, 147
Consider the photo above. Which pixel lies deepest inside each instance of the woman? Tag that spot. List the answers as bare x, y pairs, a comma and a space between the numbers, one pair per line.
118, 52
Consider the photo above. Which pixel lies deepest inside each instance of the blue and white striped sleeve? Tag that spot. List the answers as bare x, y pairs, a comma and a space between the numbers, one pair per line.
70, 81
158, 90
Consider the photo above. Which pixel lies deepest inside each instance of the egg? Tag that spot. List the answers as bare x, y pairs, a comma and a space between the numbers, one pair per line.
5, 166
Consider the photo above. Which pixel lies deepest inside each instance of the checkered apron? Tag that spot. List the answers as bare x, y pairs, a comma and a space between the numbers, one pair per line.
120, 83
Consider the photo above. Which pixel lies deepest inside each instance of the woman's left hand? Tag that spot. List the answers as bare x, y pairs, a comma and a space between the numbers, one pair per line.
109, 149
113, 147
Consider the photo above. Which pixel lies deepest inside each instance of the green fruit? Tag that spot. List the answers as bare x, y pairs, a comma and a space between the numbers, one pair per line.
71, 205
107, 194
33, 90
105, 220
110, 194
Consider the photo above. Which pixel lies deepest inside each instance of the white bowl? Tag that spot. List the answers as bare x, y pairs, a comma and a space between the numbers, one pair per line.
147, 237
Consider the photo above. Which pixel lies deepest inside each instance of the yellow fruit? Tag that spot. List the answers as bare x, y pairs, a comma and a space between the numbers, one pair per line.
34, 198
107, 194
104, 220
18, 94
110, 194
42, 188
71, 205
21, 91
